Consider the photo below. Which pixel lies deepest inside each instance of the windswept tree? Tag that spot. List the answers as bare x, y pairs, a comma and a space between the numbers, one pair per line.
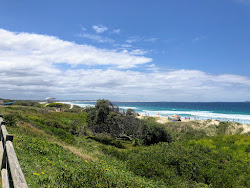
106, 118
103, 108
130, 112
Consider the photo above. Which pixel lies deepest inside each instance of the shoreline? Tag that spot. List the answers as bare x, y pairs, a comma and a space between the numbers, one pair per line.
204, 123
235, 118
164, 119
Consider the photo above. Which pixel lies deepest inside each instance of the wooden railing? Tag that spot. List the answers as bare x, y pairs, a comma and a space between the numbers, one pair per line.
11, 172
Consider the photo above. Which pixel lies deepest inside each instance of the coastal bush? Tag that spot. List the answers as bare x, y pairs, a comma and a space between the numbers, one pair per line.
130, 112
152, 132
78, 125
11, 119
105, 118
107, 140
53, 123
51, 165
220, 162
103, 108
62, 134
114, 123
223, 128
27, 103
132, 126
58, 105
190, 159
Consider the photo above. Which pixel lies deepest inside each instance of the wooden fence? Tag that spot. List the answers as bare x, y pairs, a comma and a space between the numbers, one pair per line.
11, 172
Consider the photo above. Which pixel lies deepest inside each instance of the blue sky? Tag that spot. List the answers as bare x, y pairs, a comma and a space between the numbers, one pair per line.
196, 50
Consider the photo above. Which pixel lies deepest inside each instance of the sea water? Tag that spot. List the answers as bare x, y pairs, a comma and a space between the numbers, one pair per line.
223, 111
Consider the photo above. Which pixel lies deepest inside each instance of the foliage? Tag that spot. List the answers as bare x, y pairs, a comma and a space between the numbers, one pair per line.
58, 105
130, 112
11, 119
47, 164
27, 103
219, 161
153, 132
53, 150
105, 118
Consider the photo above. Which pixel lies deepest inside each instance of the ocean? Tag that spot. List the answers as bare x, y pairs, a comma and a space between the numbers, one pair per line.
223, 111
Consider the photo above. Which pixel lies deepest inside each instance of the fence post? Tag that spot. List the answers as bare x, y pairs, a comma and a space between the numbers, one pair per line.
11, 172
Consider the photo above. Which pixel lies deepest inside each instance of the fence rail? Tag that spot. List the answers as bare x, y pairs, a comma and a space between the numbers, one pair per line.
11, 172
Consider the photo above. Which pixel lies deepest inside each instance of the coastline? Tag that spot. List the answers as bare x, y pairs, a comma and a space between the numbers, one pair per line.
143, 108
201, 123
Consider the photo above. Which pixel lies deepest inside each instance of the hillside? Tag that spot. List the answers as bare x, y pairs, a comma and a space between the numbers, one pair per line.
62, 147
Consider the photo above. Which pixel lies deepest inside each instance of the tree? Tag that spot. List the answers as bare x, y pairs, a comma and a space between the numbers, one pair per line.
130, 112
103, 108
114, 124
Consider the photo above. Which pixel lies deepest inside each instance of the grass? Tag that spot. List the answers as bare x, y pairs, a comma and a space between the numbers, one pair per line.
48, 162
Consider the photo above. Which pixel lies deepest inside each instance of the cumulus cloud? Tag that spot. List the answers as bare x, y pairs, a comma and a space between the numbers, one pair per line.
32, 50
99, 28
180, 85
29, 69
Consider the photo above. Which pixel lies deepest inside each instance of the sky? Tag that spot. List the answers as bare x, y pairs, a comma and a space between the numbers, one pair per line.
133, 50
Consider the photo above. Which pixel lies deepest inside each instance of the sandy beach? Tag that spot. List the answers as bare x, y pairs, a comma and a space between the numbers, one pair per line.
201, 123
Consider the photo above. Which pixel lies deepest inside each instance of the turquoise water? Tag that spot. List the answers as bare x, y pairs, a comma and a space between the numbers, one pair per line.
223, 111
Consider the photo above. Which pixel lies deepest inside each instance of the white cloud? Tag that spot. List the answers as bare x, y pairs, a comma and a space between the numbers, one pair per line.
178, 85
126, 46
151, 39
135, 52
24, 49
133, 39
83, 28
99, 28
117, 31
97, 38
138, 52
29, 69
198, 38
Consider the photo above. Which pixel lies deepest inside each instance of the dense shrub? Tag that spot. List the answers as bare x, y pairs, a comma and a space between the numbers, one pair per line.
27, 103
153, 132
221, 161
11, 119
105, 118
62, 134
130, 112
58, 105
54, 123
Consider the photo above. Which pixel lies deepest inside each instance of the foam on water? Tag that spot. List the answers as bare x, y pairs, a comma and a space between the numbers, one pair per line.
79, 104
168, 110
202, 114
85, 105
127, 107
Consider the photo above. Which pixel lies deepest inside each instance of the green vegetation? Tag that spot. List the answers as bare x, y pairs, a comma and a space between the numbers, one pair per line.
102, 147
106, 118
